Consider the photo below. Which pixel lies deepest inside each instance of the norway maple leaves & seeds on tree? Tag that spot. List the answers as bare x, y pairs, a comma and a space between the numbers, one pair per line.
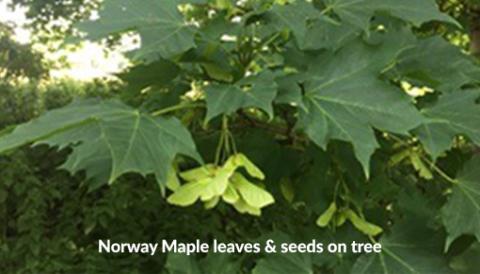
297, 104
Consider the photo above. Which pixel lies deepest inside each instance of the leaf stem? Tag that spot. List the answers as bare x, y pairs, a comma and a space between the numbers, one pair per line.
175, 108
226, 134
270, 40
438, 170
218, 152
327, 10
226, 144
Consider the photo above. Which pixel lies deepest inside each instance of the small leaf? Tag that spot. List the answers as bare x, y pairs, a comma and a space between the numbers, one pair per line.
257, 91
218, 73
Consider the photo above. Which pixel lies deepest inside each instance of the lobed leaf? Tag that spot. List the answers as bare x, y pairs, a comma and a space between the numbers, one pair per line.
256, 91
461, 214
108, 139
161, 26
408, 249
345, 98
454, 114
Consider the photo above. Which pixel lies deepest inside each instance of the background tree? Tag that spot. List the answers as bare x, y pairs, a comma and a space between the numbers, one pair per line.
18, 60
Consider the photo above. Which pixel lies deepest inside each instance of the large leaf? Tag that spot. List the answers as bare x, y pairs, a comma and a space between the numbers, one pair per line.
108, 138
157, 74
161, 26
292, 17
453, 114
415, 11
254, 91
284, 264
182, 264
407, 250
214, 263
353, 12
467, 262
345, 98
326, 33
461, 214
420, 65
219, 263
359, 12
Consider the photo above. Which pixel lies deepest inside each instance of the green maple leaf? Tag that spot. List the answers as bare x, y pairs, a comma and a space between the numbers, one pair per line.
283, 263
156, 74
293, 17
461, 214
359, 12
454, 114
415, 11
108, 139
420, 65
353, 12
407, 250
182, 264
213, 263
467, 262
254, 91
161, 26
345, 98
218, 263
328, 34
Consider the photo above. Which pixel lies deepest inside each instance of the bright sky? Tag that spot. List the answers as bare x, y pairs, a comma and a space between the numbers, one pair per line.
85, 64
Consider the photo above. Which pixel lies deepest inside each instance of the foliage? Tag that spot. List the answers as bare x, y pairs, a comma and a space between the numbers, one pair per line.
52, 19
294, 111
22, 102
18, 60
